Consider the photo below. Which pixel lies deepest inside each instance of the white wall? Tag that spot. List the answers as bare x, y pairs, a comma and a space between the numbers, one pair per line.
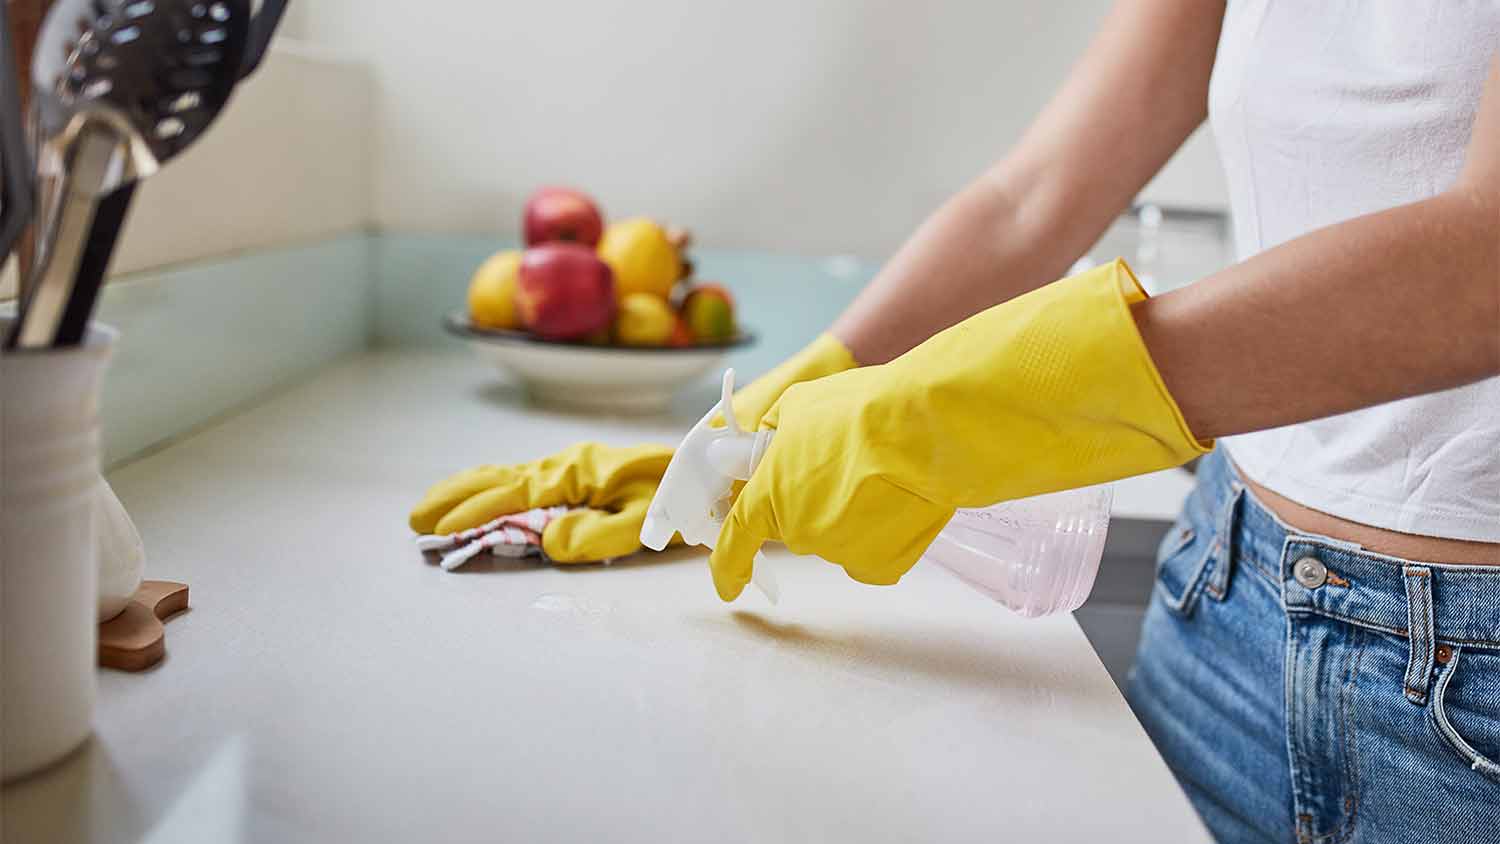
791, 125
290, 160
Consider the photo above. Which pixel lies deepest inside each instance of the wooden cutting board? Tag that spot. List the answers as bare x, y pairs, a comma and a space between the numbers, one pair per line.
135, 639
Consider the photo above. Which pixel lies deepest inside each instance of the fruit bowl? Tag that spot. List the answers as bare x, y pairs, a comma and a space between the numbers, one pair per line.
594, 377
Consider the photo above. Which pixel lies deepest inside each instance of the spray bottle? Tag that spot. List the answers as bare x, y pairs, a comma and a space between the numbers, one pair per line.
1036, 555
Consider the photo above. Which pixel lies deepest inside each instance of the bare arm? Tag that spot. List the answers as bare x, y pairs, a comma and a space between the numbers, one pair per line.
1135, 96
1378, 308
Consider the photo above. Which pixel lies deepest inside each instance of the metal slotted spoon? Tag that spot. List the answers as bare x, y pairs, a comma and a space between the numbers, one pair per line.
121, 87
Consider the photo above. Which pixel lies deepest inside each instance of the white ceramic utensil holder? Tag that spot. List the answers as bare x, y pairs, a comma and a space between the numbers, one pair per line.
49, 482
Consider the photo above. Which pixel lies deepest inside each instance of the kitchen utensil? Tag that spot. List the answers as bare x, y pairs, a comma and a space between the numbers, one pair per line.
267, 18
44, 308
49, 476
597, 378
109, 217
98, 248
121, 87
17, 194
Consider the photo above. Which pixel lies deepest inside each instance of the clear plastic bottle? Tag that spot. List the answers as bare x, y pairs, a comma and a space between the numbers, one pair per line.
1036, 555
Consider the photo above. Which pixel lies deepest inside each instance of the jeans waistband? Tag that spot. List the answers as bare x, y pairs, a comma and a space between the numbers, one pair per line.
1455, 604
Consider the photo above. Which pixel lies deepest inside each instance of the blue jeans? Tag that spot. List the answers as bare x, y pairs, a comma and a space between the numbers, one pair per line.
1304, 690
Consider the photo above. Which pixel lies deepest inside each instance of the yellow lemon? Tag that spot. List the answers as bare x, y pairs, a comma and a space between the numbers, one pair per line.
644, 319
492, 291
643, 257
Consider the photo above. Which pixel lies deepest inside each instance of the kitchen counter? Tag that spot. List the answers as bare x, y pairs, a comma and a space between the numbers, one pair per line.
330, 685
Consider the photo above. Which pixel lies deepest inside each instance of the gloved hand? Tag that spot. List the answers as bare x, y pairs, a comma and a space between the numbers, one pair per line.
613, 486
1052, 390
823, 356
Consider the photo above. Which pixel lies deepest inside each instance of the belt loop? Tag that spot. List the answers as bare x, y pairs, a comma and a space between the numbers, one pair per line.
1419, 631
1218, 579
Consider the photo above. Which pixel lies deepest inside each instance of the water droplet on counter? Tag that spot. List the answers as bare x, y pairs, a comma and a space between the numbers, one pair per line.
555, 602
576, 606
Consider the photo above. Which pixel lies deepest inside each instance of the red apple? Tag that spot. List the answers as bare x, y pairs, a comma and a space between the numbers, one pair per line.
554, 214
564, 291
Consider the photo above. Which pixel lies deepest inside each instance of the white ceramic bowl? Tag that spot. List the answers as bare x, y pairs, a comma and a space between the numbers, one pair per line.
588, 377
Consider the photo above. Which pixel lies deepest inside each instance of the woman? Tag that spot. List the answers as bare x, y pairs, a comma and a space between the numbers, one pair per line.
1321, 659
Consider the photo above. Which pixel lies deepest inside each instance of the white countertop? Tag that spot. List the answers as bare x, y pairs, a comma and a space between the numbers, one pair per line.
330, 685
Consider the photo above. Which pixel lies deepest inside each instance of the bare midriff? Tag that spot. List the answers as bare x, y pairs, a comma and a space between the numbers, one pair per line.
1410, 546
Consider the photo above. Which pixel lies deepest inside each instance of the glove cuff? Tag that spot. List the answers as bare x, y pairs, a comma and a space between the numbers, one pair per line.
826, 355
1187, 444
1052, 390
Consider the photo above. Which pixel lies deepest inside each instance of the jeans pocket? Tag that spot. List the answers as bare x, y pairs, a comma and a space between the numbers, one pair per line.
1465, 709
1182, 559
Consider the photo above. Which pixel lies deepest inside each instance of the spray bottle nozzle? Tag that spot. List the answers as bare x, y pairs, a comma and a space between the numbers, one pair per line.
655, 534
701, 474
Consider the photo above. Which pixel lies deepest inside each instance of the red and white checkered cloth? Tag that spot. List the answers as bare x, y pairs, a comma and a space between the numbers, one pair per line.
515, 535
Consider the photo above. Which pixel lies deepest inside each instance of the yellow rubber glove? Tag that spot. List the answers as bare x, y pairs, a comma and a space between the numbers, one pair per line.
615, 484
1049, 391
823, 356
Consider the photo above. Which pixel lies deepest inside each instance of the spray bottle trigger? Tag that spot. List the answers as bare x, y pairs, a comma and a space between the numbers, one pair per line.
731, 455
765, 579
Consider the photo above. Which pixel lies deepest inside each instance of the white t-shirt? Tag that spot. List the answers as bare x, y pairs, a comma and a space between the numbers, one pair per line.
1325, 110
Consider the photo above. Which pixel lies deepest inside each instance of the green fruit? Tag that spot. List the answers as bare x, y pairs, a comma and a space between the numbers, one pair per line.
709, 313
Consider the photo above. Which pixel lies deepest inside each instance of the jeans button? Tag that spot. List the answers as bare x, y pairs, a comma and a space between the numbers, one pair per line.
1310, 572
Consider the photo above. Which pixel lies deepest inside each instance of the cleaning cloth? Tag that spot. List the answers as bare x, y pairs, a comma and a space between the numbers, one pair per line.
515, 535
